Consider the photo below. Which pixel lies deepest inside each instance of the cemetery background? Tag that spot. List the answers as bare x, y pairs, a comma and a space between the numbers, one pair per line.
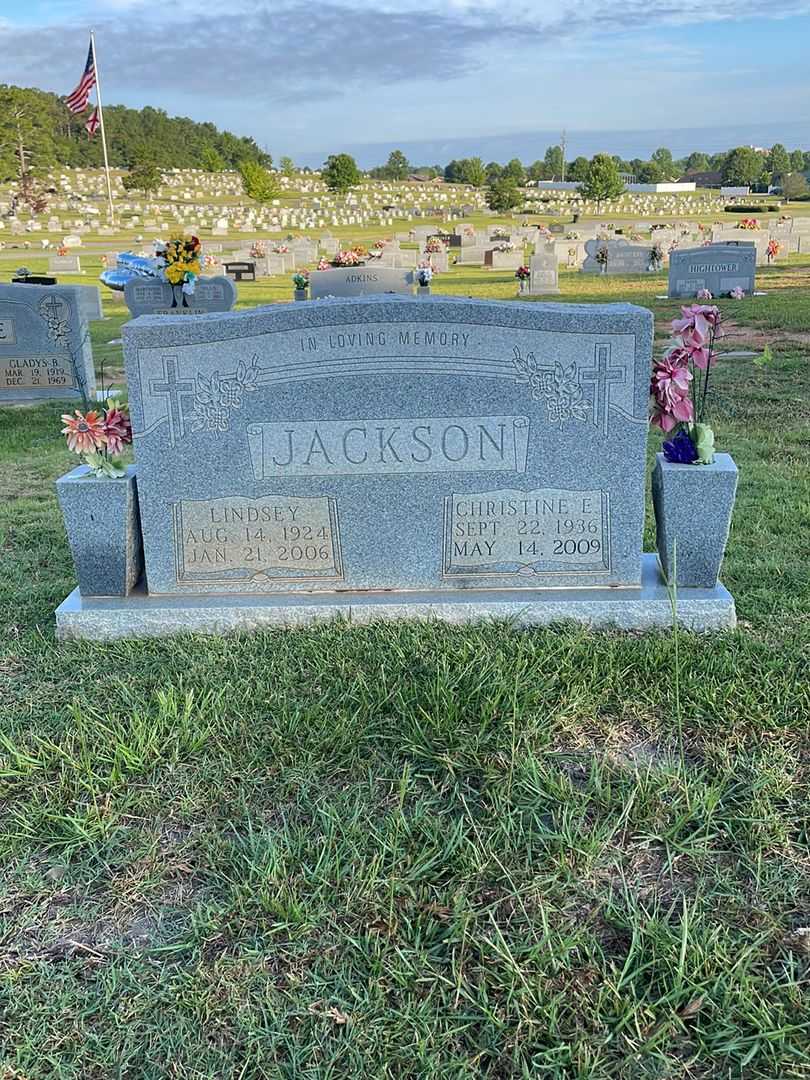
415, 848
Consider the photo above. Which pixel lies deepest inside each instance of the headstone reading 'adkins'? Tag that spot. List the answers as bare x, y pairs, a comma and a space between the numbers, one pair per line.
360, 281
44, 344
371, 444
717, 267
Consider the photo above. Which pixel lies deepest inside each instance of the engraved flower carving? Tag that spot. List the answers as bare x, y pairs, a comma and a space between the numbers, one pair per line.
216, 396
529, 371
230, 393
559, 387
210, 418
56, 313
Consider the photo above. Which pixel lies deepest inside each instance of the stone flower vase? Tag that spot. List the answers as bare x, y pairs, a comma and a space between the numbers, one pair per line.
423, 290
104, 530
693, 505
300, 294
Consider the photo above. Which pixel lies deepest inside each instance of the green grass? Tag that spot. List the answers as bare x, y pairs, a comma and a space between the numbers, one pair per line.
416, 850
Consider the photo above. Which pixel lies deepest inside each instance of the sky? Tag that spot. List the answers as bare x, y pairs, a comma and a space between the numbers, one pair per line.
313, 77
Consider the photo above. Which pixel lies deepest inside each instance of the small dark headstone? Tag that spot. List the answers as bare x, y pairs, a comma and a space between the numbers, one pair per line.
240, 271
33, 279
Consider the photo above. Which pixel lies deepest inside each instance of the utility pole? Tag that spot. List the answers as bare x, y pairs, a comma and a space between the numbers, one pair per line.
562, 147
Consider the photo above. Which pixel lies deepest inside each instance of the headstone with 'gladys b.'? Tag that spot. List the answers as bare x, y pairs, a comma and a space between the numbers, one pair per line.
45, 347
386, 456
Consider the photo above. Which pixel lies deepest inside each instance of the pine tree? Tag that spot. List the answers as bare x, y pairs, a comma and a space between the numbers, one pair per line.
778, 162
211, 160
259, 184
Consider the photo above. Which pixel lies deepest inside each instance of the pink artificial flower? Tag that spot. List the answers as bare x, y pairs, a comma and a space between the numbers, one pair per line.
698, 319
669, 387
704, 294
696, 329
701, 355
678, 356
737, 294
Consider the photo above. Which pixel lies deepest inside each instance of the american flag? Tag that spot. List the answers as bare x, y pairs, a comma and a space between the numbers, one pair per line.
77, 101
92, 125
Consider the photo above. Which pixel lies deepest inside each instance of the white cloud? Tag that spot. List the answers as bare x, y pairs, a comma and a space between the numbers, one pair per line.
370, 68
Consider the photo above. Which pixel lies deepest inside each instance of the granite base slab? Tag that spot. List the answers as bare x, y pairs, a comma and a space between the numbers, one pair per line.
142, 616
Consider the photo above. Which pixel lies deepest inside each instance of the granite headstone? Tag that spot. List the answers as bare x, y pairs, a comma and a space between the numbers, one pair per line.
543, 280
149, 296
360, 281
623, 257
717, 267
64, 264
390, 443
45, 347
240, 271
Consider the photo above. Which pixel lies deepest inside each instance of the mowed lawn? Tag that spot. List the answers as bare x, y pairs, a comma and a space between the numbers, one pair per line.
415, 850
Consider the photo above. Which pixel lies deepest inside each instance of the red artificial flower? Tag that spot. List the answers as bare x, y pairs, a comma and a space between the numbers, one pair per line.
118, 429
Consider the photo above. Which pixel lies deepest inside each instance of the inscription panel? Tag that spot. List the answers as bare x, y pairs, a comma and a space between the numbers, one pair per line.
510, 531
35, 372
392, 445
275, 537
8, 332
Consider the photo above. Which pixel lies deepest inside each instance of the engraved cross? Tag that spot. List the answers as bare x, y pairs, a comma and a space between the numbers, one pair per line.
173, 388
54, 306
602, 376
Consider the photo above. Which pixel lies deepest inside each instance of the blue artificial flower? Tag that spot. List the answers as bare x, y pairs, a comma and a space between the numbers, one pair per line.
681, 450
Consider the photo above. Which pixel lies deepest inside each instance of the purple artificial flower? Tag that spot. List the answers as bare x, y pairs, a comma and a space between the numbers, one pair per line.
680, 450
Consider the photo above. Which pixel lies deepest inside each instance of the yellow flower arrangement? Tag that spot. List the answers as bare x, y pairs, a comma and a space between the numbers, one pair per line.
182, 255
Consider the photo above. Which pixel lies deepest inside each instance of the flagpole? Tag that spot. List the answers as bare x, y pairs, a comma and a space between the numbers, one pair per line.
101, 123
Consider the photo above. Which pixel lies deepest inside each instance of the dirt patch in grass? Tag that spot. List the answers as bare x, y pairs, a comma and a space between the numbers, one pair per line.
734, 335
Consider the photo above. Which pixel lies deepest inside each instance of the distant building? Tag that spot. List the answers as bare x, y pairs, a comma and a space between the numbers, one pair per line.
421, 178
627, 177
707, 179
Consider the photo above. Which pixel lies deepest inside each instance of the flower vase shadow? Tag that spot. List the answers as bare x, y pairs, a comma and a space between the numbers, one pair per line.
183, 297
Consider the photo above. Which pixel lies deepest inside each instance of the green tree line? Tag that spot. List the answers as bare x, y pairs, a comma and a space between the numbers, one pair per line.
741, 165
37, 125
